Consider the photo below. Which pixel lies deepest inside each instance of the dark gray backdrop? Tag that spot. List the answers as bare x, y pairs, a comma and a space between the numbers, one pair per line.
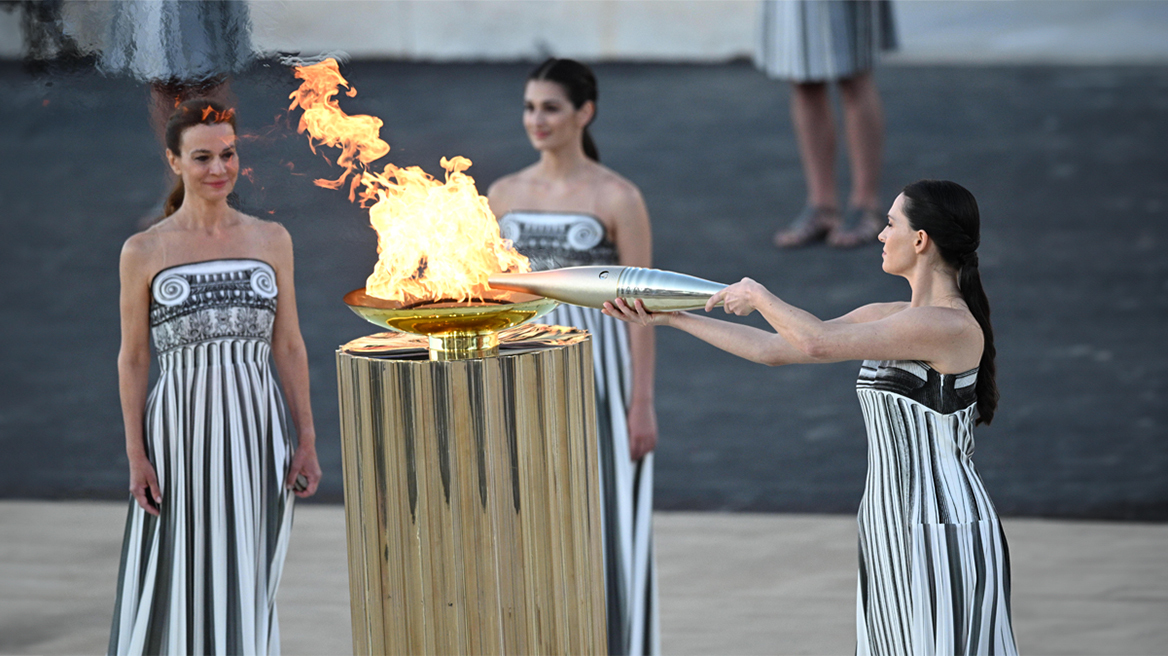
1068, 164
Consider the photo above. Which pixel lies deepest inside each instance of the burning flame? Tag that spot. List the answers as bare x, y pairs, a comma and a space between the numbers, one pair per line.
435, 240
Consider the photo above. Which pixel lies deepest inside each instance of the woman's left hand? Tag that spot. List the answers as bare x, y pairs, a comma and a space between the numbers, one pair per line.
739, 298
304, 463
642, 429
619, 309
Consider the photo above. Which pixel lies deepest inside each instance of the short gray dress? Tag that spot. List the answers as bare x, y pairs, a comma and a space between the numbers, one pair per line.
174, 41
823, 40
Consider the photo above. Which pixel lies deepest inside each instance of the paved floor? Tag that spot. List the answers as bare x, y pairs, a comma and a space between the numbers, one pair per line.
730, 583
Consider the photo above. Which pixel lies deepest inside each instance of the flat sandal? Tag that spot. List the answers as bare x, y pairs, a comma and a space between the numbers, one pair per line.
811, 225
860, 226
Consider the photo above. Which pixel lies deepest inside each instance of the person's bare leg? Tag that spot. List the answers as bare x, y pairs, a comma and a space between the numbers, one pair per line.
815, 134
864, 124
864, 127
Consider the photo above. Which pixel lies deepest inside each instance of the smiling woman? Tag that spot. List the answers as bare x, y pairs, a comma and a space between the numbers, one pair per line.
567, 209
200, 145
213, 468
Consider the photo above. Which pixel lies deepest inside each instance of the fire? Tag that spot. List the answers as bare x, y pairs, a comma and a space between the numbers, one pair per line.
436, 239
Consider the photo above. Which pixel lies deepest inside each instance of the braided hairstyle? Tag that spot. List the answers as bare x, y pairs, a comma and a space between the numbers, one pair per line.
948, 213
199, 111
578, 83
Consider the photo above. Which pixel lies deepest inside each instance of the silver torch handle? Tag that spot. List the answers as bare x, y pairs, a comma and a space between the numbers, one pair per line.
591, 286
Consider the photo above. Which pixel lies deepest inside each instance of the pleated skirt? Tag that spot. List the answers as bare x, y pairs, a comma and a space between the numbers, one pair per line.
626, 489
201, 577
934, 565
823, 40
178, 40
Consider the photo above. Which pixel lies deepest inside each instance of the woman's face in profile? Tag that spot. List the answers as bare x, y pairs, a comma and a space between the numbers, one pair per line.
899, 240
208, 163
549, 117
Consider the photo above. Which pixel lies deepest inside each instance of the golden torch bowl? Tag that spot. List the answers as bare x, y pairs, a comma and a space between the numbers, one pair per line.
456, 330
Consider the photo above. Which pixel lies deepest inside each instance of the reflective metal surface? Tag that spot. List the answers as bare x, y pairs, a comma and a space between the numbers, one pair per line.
591, 286
471, 496
456, 330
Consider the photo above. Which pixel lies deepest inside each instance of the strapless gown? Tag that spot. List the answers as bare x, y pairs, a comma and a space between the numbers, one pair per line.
201, 578
553, 240
934, 566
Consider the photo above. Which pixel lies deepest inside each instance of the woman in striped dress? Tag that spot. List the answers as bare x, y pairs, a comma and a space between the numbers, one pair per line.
569, 210
213, 468
934, 568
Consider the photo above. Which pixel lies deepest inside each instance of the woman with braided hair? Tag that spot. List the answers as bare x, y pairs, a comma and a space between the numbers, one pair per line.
934, 567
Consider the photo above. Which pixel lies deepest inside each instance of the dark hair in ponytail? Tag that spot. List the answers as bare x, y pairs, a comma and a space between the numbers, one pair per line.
948, 213
198, 111
579, 84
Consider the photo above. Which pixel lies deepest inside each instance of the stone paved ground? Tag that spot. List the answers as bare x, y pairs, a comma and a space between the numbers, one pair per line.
730, 583
1068, 163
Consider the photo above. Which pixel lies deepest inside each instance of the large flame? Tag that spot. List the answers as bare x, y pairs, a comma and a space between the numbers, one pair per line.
435, 240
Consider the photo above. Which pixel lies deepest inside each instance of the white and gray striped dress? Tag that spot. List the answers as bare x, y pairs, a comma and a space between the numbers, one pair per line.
201, 578
823, 40
552, 240
177, 41
934, 567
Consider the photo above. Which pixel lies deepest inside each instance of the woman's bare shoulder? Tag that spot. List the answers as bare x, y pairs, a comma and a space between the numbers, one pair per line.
265, 227
270, 238
510, 184
142, 247
618, 195
616, 184
873, 312
955, 320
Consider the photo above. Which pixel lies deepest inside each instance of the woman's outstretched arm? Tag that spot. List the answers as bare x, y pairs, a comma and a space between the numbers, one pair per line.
744, 341
747, 342
893, 331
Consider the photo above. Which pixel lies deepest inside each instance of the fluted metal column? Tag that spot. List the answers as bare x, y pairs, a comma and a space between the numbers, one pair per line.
471, 496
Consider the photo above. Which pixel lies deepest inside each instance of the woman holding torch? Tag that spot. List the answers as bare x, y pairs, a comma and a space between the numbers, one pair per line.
934, 567
213, 468
569, 210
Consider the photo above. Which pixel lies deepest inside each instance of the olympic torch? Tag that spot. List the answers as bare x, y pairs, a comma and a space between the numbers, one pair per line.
591, 286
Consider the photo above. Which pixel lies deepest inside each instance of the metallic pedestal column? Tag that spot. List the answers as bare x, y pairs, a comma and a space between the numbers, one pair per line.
471, 496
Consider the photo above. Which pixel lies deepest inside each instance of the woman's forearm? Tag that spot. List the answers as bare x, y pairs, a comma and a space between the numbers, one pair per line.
802, 330
744, 341
133, 377
642, 345
292, 364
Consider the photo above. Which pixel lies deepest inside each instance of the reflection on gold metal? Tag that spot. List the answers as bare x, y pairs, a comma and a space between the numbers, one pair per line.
471, 496
456, 330
591, 286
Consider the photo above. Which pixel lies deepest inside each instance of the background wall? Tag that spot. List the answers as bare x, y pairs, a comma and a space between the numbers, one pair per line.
950, 31
461, 30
